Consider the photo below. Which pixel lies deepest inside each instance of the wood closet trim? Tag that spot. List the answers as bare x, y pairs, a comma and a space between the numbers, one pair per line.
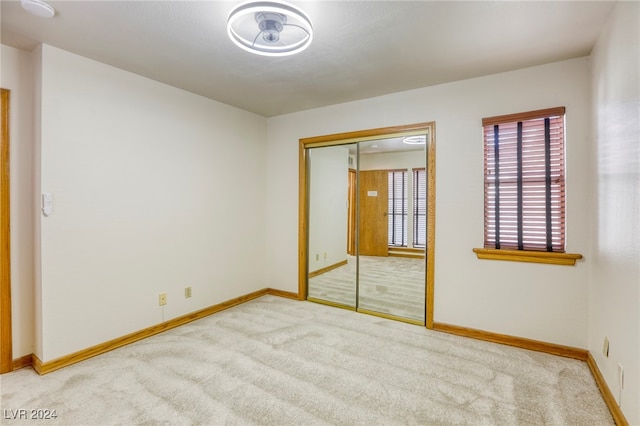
359, 136
6, 350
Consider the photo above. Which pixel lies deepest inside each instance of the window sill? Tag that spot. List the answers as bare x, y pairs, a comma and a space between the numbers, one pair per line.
528, 256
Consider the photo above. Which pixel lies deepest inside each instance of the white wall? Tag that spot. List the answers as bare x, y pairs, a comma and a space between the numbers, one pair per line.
154, 189
17, 77
543, 302
328, 206
615, 267
394, 160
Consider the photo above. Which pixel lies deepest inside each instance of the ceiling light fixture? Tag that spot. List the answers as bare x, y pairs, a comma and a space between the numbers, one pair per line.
38, 8
415, 140
269, 28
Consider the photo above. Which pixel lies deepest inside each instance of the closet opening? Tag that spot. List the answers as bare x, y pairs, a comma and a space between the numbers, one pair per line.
367, 221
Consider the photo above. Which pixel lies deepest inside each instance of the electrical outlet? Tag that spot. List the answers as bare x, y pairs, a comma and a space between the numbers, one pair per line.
187, 292
605, 347
620, 383
317, 257
162, 299
621, 376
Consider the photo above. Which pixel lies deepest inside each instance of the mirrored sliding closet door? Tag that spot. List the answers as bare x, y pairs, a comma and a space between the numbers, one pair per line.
331, 239
391, 226
367, 224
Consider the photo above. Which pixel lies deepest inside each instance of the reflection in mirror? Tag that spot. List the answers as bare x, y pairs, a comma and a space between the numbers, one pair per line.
392, 227
366, 221
331, 216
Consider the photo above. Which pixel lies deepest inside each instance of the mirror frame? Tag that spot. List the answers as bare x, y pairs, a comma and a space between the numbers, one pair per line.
360, 136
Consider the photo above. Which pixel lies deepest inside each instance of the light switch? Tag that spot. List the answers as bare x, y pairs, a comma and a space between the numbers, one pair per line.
47, 203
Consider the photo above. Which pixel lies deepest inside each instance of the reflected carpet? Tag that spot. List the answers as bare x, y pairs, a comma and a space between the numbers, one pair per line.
389, 285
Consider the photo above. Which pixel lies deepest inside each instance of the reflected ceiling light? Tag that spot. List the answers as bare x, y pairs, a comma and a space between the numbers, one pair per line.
38, 8
269, 28
415, 140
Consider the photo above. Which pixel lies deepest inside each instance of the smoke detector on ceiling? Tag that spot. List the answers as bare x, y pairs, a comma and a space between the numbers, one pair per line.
38, 8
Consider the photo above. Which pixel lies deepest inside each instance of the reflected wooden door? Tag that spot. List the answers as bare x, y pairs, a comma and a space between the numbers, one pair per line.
373, 223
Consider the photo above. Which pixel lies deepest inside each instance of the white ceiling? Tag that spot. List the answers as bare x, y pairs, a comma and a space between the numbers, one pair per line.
360, 49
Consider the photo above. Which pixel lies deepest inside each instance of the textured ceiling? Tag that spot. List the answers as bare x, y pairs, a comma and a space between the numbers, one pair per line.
361, 49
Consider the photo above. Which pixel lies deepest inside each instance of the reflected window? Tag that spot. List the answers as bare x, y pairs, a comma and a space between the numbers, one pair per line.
398, 208
419, 208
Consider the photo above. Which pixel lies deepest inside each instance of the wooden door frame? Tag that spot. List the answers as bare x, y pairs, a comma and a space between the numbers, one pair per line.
6, 359
351, 214
359, 136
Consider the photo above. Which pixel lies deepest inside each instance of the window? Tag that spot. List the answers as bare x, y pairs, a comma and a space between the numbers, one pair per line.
397, 212
524, 188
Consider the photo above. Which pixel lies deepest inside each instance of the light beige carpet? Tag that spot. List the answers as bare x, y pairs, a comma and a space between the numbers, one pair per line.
274, 361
